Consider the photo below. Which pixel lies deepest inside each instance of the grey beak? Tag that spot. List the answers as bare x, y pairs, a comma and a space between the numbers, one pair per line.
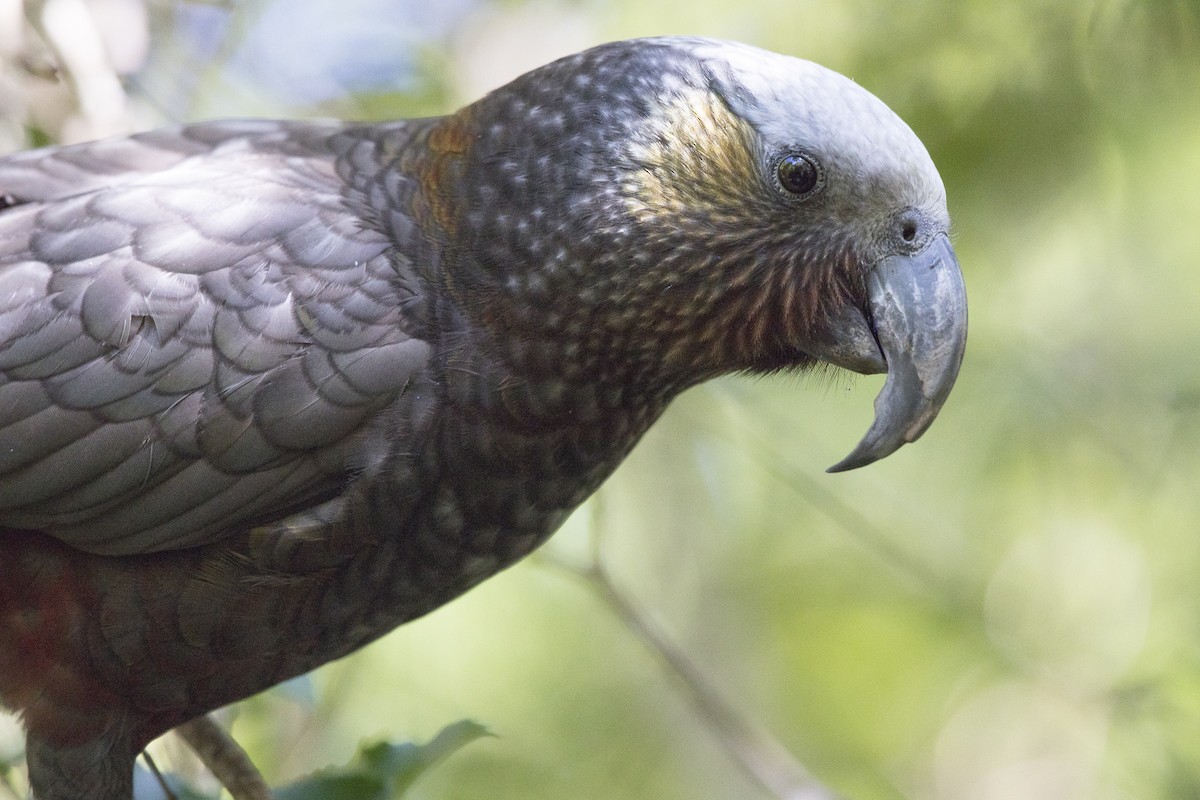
919, 304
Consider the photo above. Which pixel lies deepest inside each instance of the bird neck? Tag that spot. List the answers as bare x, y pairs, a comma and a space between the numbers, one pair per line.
483, 465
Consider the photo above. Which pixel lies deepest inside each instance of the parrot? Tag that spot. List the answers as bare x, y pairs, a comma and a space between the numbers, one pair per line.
269, 389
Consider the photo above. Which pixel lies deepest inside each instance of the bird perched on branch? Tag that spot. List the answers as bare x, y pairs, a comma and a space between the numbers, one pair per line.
270, 389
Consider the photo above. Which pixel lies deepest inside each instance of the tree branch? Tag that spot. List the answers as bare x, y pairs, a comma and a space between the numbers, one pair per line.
760, 755
225, 758
70, 32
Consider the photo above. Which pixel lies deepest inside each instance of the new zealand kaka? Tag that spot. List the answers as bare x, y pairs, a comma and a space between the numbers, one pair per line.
270, 389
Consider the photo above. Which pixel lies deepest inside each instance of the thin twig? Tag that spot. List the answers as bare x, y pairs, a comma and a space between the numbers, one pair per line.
158, 776
225, 758
951, 596
934, 584
7, 782
68, 28
760, 755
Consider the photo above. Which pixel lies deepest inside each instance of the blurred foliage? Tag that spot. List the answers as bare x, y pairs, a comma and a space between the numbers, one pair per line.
382, 771
1005, 610
377, 771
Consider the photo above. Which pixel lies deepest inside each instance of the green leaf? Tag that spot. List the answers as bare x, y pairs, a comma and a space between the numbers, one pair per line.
383, 770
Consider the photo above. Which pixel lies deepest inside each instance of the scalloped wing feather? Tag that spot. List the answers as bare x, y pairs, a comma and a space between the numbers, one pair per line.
194, 328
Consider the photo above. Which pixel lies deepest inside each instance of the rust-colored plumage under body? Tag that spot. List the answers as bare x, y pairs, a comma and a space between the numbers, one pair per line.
269, 389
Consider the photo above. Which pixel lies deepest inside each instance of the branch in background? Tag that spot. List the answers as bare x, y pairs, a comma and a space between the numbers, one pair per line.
9, 786
951, 595
70, 32
943, 590
225, 759
760, 755
158, 776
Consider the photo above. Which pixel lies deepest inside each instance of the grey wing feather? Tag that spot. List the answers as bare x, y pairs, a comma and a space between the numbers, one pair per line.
194, 327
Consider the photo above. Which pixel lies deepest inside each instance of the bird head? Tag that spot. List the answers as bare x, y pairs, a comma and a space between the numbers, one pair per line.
652, 213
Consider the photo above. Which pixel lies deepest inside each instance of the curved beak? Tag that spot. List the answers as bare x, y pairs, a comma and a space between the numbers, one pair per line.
919, 306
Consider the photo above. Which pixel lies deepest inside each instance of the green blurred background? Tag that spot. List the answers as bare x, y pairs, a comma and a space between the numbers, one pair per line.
1007, 610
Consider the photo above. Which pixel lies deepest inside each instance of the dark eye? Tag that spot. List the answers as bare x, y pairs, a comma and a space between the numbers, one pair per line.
798, 174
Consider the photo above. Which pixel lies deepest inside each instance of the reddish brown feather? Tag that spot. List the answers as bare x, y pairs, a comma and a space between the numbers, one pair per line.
45, 603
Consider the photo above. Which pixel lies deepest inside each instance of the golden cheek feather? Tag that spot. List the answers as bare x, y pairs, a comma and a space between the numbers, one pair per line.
695, 159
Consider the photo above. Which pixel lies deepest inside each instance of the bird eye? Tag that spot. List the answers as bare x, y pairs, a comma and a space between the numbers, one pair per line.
798, 174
